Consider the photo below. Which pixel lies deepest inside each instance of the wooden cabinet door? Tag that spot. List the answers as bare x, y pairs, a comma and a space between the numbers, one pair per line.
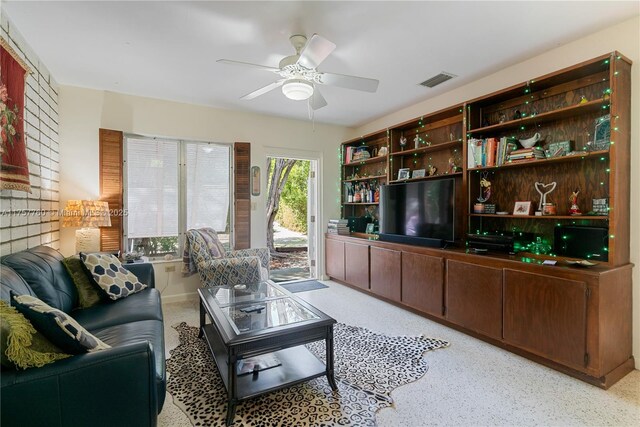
422, 282
334, 258
356, 266
474, 297
546, 315
385, 273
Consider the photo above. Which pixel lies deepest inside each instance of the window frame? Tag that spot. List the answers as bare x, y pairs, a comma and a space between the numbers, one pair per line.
182, 187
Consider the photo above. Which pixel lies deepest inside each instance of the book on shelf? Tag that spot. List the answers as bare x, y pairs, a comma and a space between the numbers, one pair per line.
348, 155
489, 152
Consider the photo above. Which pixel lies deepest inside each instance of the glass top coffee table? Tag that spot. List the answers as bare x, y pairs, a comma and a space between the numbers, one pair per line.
257, 335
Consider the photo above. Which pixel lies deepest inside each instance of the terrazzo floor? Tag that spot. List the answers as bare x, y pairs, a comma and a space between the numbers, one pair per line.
470, 383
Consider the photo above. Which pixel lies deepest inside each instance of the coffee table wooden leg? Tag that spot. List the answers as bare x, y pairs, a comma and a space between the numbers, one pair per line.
202, 314
231, 391
231, 412
329, 341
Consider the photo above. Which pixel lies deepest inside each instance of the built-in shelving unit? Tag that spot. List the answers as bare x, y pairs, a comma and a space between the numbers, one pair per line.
573, 317
361, 179
561, 106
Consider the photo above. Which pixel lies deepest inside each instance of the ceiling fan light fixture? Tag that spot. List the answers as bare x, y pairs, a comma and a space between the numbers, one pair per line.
297, 89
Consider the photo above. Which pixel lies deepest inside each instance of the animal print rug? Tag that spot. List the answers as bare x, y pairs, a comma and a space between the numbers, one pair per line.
368, 366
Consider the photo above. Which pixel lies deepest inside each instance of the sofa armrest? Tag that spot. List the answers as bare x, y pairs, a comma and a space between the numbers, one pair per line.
144, 271
261, 253
230, 271
108, 387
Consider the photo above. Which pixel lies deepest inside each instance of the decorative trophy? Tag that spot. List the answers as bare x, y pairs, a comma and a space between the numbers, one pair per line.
543, 190
573, 199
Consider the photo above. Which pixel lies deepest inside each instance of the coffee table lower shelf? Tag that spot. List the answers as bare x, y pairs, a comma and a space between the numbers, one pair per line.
297, 365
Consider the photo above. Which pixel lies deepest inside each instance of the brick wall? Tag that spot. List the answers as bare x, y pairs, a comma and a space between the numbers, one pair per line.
22, 230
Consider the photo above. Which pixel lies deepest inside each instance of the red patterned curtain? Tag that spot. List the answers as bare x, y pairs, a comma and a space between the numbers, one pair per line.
14, 172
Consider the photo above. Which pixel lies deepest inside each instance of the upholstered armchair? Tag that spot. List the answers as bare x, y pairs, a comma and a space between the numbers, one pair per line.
216, 266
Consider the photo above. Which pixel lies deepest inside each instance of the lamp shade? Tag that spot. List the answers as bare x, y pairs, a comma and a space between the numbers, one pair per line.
86, 214
297, 89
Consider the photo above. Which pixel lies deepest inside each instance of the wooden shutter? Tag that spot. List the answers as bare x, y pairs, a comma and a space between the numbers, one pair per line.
111, 187
242, 196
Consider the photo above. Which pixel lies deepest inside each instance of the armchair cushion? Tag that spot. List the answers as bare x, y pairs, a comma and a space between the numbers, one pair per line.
115, 280
261, 253
201, 245
230, 271
60, 328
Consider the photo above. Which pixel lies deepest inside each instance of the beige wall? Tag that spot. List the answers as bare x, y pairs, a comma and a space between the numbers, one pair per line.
84, 111
625, 38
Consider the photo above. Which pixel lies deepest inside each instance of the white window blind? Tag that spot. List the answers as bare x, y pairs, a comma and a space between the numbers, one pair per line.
207, 176
152, 188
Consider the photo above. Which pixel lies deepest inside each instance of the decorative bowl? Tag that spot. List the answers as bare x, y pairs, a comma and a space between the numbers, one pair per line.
530, 142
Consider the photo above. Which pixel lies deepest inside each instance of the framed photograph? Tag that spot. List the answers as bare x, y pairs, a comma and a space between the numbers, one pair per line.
418, 173
522, 208
602, 133
404, 173
369, 228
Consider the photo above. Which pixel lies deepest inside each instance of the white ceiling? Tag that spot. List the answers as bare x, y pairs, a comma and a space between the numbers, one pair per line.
168, 50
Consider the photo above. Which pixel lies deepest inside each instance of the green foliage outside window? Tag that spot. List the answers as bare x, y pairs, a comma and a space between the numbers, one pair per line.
293, 200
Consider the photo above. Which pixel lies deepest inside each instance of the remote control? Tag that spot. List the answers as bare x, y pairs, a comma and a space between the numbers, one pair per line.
252, 309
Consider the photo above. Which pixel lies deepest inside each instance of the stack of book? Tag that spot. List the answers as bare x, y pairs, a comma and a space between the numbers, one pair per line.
338, 226
527, 154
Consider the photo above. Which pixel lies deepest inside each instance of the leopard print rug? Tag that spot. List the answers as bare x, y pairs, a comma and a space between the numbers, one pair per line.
368, 366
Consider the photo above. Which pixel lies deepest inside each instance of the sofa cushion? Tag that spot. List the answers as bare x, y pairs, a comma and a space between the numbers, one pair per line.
116, 281
144, 305
11, 281
21, 345
59, 327
145, 330
88, 292
41, 267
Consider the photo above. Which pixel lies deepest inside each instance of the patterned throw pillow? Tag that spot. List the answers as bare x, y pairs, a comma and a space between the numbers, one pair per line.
115, 280
88, 293
21, 346
57, 326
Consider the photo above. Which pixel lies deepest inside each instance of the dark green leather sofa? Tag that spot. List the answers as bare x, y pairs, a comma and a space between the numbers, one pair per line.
121, 386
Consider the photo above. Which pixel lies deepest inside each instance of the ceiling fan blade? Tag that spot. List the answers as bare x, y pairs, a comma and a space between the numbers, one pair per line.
247, 64
317, 101
349, 82
315, 51
263, 90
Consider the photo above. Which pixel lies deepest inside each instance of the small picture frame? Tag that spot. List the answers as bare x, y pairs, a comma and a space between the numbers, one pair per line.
522, 208
602, 133
418, 173
600, 206
369, 229
404, 173
255, 180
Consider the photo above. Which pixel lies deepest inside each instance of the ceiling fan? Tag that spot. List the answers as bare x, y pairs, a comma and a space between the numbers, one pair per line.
300, 75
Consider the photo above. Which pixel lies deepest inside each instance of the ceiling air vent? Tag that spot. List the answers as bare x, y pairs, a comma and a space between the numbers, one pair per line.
437, 79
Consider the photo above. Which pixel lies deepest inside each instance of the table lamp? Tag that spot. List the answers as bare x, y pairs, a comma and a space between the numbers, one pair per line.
88, 215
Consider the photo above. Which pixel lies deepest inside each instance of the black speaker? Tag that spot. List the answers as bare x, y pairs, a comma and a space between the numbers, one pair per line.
582, 242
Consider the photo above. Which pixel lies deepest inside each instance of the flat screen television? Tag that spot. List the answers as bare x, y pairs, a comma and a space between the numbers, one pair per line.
420, 213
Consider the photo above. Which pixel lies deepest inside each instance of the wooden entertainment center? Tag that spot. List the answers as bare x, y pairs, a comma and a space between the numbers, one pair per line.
571, 318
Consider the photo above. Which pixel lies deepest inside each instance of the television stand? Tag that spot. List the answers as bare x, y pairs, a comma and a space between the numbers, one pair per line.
412, 240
